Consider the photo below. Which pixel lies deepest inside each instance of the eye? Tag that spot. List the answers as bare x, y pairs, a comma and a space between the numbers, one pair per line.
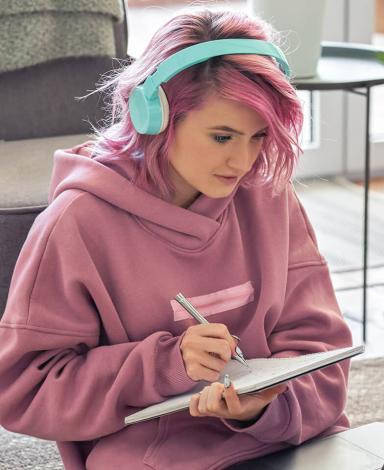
261, 135
222, 139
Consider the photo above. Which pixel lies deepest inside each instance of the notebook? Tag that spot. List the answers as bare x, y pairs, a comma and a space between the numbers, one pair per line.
262, 374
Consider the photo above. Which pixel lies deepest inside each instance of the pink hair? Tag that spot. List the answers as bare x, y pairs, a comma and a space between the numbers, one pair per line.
252, 80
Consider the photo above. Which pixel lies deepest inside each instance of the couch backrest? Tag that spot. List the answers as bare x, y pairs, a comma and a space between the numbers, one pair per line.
39, 101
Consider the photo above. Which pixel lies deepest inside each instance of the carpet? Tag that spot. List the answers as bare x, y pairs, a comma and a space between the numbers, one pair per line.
365, 405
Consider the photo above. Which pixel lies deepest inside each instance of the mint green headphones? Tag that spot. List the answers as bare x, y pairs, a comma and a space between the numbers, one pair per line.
148, 104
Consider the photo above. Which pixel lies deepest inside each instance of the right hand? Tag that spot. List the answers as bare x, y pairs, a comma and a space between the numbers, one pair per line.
206, 349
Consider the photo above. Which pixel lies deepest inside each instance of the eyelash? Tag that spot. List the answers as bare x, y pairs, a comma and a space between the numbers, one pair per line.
228, 137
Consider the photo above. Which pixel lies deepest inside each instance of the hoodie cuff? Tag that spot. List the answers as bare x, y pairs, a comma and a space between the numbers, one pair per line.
271, 426
172, 376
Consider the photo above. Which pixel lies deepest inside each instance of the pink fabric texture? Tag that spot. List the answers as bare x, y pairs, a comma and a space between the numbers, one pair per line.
91, 333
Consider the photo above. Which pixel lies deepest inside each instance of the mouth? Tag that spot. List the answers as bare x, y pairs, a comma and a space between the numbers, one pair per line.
227, 179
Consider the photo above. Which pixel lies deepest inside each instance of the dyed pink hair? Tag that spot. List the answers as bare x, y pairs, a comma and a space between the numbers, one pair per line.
252, 80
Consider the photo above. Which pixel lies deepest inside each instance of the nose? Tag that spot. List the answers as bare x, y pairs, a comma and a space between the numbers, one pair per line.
241, 159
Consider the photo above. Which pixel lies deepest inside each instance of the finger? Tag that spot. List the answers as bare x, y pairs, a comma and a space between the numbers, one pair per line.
219, 347
202, 405
194, 405
215, 404
216, 330
199, 345
232, 400
199, 372
213, 362
212, 330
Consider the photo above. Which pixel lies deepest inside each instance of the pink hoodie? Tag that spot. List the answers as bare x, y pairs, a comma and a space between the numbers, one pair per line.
91, 333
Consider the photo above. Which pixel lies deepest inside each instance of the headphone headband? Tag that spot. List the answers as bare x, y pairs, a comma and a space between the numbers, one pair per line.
202, 51
148, 104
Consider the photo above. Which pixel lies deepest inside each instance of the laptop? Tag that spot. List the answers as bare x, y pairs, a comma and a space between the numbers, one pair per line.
360, 448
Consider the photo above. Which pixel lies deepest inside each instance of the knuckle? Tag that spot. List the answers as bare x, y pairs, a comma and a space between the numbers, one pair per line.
223, 329
192, 372
210, 408
226, 350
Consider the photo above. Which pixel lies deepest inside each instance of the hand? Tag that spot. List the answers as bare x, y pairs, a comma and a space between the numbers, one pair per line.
206, 349
219, 402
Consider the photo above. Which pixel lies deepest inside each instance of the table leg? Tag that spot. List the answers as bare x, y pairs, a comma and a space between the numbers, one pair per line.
366, 210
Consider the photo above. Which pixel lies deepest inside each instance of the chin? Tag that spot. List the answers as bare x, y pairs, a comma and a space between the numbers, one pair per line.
219, 194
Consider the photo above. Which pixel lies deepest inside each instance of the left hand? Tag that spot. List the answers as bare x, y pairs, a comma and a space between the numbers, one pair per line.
215, 400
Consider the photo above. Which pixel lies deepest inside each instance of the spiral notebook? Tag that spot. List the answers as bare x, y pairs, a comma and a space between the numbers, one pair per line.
262, 374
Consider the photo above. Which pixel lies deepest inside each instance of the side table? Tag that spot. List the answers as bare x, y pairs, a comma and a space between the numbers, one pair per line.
349, 67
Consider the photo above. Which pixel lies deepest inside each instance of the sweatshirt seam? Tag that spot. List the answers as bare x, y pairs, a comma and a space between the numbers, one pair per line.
45, 249
310, 233
47, 330
305, 264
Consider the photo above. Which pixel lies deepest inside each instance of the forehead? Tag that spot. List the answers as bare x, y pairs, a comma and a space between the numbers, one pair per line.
216, 110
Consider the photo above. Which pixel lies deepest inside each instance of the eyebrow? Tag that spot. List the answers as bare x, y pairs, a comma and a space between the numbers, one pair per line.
230, 129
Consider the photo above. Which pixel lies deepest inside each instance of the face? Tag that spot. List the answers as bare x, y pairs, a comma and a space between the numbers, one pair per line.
220, 140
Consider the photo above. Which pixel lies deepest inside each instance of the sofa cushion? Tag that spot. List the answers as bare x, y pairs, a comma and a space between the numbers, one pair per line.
26, 167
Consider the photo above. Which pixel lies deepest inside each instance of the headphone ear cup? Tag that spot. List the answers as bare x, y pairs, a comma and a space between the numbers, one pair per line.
149, 116
164, 108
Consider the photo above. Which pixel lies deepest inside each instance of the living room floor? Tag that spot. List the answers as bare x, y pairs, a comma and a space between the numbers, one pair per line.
340, 241
375, 328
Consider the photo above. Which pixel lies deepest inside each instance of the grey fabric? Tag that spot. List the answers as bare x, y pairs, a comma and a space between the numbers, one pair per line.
26, 168
86, 25
39, 101
13, 232
365, 405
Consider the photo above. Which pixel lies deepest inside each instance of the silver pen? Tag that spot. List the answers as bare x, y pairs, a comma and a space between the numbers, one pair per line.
239, 356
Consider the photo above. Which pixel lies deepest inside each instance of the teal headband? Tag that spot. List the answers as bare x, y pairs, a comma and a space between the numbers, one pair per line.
202, 51
148, 104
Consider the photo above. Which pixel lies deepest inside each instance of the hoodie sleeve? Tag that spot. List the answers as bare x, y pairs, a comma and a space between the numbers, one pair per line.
310, 321
56, 381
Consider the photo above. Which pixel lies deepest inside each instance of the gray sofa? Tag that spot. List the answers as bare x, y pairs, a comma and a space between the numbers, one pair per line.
38, 114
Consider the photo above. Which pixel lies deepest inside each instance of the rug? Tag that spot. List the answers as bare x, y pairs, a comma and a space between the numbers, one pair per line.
365, 405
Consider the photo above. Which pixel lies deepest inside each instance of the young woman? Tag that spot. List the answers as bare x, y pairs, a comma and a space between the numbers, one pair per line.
202, 205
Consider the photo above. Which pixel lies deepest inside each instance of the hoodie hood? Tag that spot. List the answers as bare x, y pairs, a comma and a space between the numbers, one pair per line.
111, 181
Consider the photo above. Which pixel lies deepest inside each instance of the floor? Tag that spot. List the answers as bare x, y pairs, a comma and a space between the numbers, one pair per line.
351, 300
375, 344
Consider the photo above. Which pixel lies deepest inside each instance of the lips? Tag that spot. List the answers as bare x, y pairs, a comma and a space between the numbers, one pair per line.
227, 179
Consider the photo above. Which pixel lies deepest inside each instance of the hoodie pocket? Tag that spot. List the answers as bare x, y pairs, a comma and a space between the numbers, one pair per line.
162, 432
216, 302
188, 443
